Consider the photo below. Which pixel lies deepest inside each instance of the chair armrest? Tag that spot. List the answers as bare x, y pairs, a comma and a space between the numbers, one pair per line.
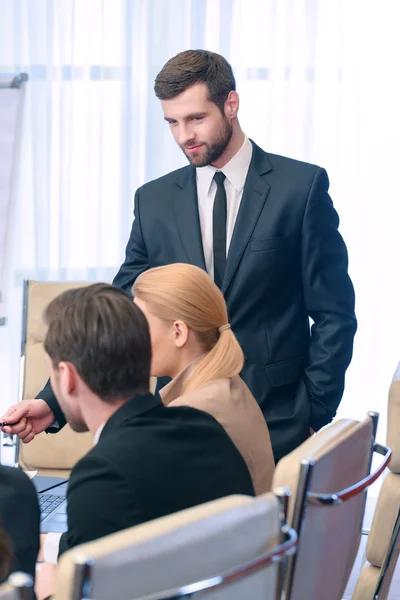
357, 488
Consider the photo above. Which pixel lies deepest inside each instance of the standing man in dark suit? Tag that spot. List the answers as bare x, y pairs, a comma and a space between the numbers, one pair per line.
264, 227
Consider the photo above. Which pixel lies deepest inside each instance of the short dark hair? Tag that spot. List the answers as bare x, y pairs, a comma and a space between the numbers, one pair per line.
196, 66
105, 336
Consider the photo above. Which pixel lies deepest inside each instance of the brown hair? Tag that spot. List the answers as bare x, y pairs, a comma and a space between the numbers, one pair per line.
105, 336
5, 554
196, 66
185, 292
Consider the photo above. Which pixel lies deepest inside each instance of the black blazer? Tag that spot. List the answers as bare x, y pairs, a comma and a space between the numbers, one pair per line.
19, 517
286, 263
150, 461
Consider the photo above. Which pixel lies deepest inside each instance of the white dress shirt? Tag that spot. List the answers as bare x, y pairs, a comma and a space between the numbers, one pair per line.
52, 541
235, 172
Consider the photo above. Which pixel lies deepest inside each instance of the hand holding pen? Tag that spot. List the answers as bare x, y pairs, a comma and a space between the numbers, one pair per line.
26, 419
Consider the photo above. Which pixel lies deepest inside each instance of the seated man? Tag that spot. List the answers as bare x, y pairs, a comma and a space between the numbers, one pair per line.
19, 522
148, 460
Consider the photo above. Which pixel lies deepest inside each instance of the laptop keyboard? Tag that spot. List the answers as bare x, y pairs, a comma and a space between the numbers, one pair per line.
48, 503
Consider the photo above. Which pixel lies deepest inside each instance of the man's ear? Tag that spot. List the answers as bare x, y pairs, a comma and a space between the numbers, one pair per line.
68, 377
181, 333
231, 107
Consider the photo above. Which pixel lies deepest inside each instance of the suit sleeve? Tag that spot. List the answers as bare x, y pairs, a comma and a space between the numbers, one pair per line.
136, 258
49, 397
100, 502
329, 300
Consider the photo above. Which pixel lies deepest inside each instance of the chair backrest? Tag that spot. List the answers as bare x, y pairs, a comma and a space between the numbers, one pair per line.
328, 522
19, 586
383, 544
180, 550
63, 450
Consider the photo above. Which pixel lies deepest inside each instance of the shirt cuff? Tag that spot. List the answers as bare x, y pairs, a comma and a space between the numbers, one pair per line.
54, 427
50, 548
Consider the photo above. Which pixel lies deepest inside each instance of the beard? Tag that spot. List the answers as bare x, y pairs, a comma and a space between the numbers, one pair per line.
76, 424
210, 152
75, 421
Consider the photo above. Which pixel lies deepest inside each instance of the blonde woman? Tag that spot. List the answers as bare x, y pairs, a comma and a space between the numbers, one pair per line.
192, 343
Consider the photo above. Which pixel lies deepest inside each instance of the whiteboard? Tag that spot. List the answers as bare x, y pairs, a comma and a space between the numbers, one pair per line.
12, 92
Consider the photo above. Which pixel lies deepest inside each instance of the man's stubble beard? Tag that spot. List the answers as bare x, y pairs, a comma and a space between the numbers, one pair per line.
77, 425
213, 150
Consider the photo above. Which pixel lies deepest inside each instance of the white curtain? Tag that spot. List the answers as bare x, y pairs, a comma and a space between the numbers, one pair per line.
318, 81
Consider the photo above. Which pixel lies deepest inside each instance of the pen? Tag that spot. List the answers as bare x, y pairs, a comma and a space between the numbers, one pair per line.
3, 423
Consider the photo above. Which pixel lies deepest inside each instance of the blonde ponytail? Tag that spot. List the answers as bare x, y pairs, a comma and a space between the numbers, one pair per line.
186, 293
225, 359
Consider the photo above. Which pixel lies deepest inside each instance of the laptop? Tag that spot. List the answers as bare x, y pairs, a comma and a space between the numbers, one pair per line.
52, 492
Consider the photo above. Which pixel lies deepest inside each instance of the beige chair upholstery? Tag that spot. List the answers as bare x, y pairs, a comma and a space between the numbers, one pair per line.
383, 544
336, 458
49, 454
179, 550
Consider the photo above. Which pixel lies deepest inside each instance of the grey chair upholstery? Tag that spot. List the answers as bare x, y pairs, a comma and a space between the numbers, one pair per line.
328, 475
169, 557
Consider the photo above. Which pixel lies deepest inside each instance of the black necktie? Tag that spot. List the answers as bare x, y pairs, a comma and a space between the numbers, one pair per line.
219, 229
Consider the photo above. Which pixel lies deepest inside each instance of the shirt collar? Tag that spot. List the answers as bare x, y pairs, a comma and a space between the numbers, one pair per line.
235, 170
97, 435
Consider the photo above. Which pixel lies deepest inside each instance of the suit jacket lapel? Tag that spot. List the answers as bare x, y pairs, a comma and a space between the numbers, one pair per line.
187, 216
254, 195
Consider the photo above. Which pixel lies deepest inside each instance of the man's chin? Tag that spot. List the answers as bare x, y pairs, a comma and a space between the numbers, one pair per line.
197, 161
78, 427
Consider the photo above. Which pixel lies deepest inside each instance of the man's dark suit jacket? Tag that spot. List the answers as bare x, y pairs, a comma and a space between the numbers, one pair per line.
150, 461
286, 263
19, 517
